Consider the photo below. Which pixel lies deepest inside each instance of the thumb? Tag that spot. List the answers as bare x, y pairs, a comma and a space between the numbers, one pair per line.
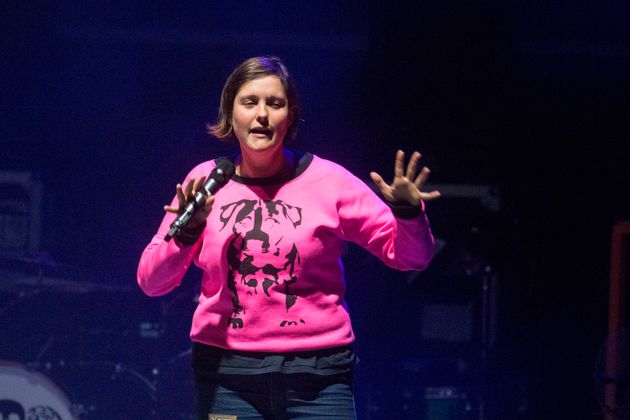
378, 180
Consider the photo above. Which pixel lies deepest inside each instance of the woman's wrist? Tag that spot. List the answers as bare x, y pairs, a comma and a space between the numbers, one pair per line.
189, 235
405, 210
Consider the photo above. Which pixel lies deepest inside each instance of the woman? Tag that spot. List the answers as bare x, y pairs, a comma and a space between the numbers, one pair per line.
271, 335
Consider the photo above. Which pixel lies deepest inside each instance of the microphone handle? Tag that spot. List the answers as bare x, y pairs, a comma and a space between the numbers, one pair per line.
191, 208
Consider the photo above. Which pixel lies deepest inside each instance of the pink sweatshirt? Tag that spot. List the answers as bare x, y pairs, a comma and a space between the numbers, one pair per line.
270, 254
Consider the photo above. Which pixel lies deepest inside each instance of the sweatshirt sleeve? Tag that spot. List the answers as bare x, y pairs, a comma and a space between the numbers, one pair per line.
163, 264
401, 243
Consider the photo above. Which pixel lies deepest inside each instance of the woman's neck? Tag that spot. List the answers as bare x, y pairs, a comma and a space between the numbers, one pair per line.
260, 166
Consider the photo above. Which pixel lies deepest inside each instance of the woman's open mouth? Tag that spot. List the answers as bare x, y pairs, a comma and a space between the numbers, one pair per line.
261, 132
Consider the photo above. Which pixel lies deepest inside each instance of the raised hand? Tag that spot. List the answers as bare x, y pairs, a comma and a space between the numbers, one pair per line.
406, 186
184, 194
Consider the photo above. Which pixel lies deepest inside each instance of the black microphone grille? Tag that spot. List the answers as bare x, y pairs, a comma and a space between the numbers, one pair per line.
226, 168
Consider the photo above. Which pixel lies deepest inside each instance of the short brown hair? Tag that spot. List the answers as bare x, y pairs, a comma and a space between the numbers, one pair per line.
252, 69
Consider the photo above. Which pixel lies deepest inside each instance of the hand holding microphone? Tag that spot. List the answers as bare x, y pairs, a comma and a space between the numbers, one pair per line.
195, 200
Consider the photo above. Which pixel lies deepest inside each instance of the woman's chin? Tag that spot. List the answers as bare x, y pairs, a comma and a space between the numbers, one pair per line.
260, 144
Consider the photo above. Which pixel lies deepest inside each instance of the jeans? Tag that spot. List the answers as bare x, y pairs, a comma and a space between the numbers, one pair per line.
275, 396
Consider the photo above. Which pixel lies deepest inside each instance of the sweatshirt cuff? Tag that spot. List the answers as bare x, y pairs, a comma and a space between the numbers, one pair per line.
404, 210
190, 236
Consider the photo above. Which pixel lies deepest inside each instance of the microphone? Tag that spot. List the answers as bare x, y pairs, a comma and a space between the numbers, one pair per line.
217, 178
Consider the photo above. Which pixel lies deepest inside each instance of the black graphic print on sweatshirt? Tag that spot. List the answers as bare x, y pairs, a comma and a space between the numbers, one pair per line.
261, 255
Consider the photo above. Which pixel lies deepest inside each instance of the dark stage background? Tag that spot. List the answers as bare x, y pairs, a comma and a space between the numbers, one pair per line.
521, 110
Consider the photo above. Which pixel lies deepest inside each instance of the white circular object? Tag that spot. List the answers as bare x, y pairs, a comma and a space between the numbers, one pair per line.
38, 396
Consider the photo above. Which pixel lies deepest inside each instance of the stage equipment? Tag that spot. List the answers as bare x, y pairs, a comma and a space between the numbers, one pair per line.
103, 390
619, 292
447, 403
612, 373
431, 333
612, 376
28, 394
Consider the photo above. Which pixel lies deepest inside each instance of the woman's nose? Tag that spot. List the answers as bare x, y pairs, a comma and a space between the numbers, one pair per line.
262, 114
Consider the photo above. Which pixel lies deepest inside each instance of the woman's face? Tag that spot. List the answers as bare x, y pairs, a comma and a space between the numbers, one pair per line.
261, 117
